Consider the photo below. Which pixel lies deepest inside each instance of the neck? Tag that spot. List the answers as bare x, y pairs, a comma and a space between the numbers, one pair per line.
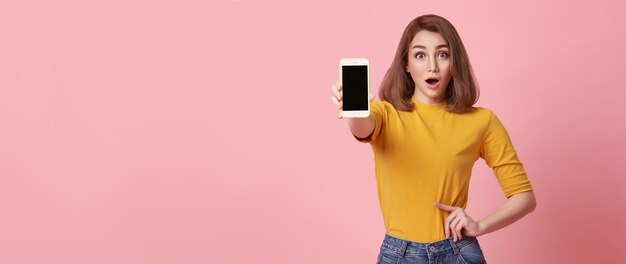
428, 100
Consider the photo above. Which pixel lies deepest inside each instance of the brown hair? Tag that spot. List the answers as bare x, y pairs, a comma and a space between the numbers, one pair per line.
398, 87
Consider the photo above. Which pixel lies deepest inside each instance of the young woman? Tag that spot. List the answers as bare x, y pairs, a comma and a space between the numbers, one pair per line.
426, 135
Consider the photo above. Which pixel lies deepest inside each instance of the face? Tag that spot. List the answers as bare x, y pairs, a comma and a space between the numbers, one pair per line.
429, 65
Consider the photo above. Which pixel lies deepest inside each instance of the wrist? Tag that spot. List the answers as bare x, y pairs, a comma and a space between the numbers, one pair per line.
482, 228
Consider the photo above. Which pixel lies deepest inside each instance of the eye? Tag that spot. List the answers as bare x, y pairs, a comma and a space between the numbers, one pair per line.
420, 55
443, 55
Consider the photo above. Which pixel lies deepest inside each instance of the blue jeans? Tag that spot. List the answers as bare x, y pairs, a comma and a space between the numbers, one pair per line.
465, 251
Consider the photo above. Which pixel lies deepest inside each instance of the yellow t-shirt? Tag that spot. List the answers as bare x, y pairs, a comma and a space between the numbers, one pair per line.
426, 155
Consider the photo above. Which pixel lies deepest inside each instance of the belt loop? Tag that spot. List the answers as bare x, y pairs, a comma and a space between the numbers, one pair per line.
403, 247
454, 246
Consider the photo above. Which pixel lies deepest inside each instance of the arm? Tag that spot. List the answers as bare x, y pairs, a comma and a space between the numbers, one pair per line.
499, 154
516, 207
458, 223
362, 127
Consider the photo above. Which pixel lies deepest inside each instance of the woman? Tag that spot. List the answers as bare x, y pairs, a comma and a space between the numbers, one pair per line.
426, 135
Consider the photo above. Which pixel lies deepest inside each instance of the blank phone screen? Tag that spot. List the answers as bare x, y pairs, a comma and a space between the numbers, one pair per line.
355, 90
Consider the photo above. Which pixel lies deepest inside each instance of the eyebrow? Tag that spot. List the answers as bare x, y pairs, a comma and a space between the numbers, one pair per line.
422, 47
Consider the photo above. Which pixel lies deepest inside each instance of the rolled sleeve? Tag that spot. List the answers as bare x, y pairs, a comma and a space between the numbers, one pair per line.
379, 113
498, 152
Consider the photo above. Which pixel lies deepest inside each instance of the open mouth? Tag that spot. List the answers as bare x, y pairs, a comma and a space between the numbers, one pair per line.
432, 81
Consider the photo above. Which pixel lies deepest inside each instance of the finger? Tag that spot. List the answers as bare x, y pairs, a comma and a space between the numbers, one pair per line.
337, 87
454, 226
336, 93
451, 226
372, 96
462, 217
449, 220
447, 225
450, 217
445, 207
336, 102
459, 228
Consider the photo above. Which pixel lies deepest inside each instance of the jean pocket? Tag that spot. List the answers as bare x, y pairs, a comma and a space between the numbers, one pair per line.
387, 256
472, 254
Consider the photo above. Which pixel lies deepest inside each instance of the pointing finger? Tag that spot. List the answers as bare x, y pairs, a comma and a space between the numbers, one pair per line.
444, 207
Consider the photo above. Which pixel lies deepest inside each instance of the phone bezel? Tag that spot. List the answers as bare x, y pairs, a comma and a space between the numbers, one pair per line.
356, 62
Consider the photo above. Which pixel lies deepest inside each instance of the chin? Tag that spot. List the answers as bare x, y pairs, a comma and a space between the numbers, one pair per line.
431, 94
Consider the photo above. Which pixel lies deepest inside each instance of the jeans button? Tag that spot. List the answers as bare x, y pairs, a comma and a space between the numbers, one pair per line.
432, 248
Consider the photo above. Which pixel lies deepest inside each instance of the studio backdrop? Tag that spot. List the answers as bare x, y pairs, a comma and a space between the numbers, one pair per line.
203, 131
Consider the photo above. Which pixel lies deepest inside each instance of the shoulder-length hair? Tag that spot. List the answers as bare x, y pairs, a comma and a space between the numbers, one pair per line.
398, 87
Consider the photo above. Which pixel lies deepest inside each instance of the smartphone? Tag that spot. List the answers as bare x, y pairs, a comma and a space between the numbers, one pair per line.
355, 82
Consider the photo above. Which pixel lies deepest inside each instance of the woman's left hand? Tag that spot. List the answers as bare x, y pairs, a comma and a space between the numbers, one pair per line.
459, 223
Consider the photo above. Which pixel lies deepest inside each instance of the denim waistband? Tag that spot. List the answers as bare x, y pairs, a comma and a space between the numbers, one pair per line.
440, 247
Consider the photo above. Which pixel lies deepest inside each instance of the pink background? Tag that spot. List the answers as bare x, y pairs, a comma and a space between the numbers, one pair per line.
194, 132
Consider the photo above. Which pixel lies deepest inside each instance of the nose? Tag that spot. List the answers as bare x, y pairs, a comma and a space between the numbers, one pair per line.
432, 65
